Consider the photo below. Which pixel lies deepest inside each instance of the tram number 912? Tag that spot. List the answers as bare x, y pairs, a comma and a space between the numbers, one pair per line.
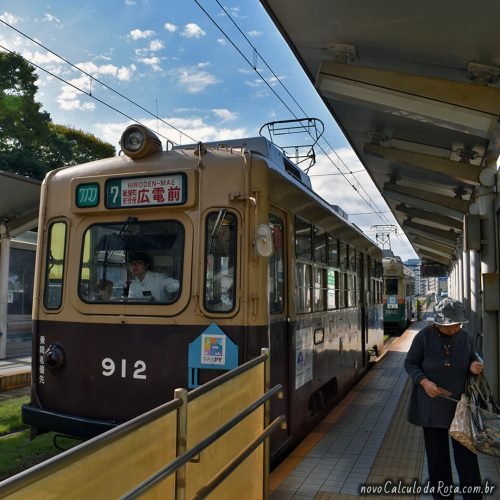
109, 368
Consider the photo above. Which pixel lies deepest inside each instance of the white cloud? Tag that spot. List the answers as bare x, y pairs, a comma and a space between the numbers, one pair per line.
155, 45
224, 114
193, 79
138, 34
195, 127
170, 27
10, 18
69, 98
49, 18
124, 73
192, 30
253, 34
130, 2
154, 62
41, 57
222, 41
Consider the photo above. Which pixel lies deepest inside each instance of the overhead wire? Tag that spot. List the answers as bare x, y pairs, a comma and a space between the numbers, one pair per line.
93, 78
253, 64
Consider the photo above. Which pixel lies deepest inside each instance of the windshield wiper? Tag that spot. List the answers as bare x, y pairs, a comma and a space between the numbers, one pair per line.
121, 235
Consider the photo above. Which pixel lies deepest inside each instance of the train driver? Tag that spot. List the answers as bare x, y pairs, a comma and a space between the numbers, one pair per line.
148, 284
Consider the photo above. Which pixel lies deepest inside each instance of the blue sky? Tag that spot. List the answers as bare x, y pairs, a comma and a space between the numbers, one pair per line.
170, 59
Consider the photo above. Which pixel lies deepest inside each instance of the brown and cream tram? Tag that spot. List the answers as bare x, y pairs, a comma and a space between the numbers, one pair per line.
241, 254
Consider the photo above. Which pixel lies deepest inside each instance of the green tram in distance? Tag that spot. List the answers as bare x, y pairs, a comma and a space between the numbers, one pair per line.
241, 254
399, 295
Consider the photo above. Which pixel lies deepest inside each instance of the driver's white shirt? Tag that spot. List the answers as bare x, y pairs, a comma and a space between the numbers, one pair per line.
156, 285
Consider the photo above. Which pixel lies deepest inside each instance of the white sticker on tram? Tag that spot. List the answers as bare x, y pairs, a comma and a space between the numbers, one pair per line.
109, 368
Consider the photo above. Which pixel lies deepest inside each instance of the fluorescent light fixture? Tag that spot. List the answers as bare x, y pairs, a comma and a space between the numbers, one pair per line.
421, 203
405, 105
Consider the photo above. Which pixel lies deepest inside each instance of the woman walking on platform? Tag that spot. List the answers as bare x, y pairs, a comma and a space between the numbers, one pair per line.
439, 361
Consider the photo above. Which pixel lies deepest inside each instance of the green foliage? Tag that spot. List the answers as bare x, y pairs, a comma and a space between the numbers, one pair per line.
84, 147
30, 144
10, 414
19, 452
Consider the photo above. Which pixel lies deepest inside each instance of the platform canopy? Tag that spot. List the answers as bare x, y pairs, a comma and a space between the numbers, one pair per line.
415, 88
19, 200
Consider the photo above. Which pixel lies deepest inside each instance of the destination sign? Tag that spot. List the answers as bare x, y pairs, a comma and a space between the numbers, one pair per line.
151, 191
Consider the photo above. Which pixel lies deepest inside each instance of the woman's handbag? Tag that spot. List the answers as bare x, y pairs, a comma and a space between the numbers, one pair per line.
460, 428
485, 416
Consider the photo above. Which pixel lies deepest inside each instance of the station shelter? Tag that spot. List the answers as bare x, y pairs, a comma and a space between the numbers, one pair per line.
19, 200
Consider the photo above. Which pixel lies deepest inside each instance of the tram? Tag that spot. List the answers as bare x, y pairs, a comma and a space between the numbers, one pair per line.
239, 254
399, 295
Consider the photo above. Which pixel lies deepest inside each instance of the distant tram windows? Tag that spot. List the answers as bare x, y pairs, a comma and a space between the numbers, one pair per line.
220, 261
276, 267
52, 298
114, 254
333, 251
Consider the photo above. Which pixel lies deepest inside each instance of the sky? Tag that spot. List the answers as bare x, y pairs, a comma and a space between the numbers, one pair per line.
191, 70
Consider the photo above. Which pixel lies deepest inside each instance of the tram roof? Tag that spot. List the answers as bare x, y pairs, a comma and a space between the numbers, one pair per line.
414, 86
19, 200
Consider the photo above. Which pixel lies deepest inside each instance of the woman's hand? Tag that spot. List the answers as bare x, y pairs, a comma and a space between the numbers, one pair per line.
476, 367
431, 389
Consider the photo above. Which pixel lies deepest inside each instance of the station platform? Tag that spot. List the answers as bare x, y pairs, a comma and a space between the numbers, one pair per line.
366, 440
15, 373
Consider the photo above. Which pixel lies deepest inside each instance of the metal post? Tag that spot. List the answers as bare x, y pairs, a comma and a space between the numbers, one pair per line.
180, 475
4, 288
267, 419
466, 274
488, 263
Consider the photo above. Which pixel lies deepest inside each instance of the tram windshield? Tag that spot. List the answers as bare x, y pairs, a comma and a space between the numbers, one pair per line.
132, 261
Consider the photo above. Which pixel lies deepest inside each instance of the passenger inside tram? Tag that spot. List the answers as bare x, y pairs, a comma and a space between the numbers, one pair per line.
103, 289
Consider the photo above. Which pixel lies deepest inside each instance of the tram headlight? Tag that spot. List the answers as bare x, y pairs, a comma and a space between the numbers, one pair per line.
55, 357
138, 141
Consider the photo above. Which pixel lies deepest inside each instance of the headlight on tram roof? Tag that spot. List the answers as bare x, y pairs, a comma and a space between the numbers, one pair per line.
138, 141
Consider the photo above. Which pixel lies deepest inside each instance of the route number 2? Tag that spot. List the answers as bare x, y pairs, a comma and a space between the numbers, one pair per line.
109, 367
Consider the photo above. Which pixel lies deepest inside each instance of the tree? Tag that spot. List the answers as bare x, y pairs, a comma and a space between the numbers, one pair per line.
84, 147
30, 144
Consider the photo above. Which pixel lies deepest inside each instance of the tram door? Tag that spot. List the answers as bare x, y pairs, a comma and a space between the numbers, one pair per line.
279, 339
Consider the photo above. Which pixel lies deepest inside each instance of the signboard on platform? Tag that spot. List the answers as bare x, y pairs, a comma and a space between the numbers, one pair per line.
433, 270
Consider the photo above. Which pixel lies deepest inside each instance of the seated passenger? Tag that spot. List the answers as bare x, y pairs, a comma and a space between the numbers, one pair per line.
149, 284
103, 289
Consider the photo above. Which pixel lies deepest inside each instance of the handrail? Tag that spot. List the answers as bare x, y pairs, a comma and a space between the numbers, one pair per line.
231, 466
183, 459
55, 463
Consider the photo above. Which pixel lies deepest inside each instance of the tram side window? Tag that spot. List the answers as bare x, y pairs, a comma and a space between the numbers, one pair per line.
333, 251
54, 266
276, 267
343, 256
303, 239
320, 254
332, 295
320, 289
133, 262
220, 261
303, 288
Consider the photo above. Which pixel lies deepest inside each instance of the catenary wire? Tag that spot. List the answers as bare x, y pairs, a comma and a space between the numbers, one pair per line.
93, 78
375, 209
81, 90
